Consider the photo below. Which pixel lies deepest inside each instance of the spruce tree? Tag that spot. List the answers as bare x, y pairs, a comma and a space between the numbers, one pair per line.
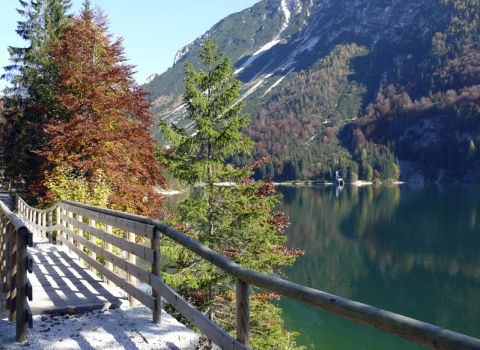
32, 77
228, 211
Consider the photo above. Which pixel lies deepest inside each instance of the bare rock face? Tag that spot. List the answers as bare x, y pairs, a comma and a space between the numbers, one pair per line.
302, 31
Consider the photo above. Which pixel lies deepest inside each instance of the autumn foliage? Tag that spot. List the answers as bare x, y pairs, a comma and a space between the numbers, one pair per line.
102, 122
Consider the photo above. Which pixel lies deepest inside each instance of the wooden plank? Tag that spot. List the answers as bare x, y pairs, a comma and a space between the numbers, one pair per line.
37, 228
126, 266
123, 224
139, 250
138, 294
198, 319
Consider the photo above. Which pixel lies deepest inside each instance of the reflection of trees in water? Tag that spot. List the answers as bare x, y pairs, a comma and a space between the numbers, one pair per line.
317, 225
412, 251
433, 230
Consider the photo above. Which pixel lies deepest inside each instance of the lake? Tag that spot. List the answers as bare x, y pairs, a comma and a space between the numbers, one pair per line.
414, 250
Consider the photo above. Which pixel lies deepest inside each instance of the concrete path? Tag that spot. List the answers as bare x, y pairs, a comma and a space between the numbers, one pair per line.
124, 328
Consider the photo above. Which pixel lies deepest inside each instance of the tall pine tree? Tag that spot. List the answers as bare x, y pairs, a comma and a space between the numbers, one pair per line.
228, 211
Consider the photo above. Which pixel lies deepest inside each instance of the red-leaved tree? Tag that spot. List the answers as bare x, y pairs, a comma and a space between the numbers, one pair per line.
102, 130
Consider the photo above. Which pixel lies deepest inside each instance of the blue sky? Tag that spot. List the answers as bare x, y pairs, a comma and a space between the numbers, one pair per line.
153, 30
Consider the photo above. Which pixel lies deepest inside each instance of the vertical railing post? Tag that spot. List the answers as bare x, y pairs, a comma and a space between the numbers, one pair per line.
58, 223
35, 223
108, 246
132, 258
155, 245
12, 295
38, 223
44, 225
8, 266
70, 227
243, 312
3, 247
21, 281
91, 238
49, 224
80, 231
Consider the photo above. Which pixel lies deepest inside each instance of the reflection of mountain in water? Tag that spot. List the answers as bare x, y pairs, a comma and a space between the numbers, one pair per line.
412, 251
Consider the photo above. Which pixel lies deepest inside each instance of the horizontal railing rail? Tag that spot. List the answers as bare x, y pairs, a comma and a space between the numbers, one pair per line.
14, 264
75, 234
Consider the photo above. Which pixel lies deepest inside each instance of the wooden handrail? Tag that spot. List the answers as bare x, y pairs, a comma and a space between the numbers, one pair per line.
408, 328
15, 262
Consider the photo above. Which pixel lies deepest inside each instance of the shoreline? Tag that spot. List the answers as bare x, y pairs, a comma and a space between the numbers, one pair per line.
359, 183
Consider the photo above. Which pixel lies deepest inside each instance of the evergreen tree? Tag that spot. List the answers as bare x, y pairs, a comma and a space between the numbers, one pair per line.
32, 76
367, 172
229, 212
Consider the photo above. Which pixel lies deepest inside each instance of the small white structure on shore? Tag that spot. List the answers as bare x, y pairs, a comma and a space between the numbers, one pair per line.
339, 182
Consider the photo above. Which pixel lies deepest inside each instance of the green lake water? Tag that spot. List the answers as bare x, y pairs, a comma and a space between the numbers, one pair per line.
414, 250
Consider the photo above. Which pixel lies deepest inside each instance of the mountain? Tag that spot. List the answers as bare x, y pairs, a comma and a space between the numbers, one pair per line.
375, 89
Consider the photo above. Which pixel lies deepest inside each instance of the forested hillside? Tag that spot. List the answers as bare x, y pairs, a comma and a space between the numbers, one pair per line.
375, 90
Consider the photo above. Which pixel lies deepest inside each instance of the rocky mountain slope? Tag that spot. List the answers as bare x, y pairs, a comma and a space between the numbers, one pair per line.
358, 86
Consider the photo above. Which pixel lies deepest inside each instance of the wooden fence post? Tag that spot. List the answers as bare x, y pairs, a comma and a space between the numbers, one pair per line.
49, 224
155, 245
58, 222
70, 227
8, 266
12, 298
80, 231
243, 312
132, 259
108, 246
37, 219
21, 282
44, 224
3, 248
91, 238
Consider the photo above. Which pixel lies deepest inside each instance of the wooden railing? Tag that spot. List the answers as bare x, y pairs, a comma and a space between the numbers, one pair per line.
88, 231
14, 264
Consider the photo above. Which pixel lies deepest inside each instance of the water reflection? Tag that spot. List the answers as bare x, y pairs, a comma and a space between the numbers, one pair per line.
415, 251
